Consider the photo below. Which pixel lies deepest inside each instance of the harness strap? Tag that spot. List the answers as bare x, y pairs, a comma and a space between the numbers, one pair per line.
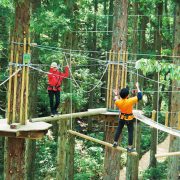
126, 116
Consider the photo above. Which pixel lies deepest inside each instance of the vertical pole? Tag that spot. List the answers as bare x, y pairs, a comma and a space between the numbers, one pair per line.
118, 71
15, 81
112, 77
27, 83
22, 118
123, 68
9, 120
153, 149
166, 118
178, 120
125, 73
108, 85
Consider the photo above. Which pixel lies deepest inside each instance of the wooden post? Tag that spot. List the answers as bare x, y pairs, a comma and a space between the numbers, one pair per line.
15, 82
108, 85
62, 150
10, 83
118, 71
112, 78
125, 73
166, 118
132, 169
22, 117
123, 70
27, 84
153, 149
118, 74
179, 121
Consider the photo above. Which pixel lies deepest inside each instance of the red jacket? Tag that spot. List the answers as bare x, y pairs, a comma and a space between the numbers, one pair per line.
55, 79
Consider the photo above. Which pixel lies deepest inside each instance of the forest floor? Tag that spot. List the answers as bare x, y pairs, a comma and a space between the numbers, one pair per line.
144, 161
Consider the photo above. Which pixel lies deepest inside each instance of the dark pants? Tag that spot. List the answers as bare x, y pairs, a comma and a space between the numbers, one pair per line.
130, 126
51, 99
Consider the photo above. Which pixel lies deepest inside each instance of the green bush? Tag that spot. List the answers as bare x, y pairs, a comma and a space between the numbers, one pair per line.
160, 172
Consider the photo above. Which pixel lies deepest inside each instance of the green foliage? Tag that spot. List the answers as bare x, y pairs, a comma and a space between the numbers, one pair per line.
46, 153
160, 172
88, 162
151, 65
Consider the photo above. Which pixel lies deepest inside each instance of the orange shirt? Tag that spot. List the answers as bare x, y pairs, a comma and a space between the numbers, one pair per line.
126, 105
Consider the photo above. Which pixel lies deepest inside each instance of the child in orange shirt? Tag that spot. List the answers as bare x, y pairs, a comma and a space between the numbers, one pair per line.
125, 106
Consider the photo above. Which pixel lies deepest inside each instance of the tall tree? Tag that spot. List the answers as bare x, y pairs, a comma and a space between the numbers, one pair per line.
133, 161
119, 39
15, 147
31, 144
156, 105
174, 162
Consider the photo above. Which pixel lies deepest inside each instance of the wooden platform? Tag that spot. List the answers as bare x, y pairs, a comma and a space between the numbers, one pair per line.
30, 130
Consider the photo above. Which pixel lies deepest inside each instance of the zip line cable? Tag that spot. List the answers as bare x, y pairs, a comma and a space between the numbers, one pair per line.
40, 70
51, 48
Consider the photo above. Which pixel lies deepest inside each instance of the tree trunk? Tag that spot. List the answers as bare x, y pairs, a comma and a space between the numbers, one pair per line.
15, 148
132, 170
174, 162
112, 157
110, 24
156, 105
133, 162
92, 47
62, 150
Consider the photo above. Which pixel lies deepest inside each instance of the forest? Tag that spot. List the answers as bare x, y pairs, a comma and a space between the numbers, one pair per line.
104, 45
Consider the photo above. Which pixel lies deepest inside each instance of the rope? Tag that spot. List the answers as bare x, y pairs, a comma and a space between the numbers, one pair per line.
94, 86
10, 77
121, 65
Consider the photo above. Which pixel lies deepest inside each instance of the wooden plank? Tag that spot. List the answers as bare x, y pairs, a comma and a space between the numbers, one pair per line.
31, 134
168, 154
139, 115
37, 126
22, 119
100, 142
73, 115
108, 85
10, 83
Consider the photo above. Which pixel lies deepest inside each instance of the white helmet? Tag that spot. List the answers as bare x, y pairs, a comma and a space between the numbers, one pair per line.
54, 64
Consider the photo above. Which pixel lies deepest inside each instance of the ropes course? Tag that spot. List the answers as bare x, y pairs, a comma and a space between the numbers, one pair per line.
125, 65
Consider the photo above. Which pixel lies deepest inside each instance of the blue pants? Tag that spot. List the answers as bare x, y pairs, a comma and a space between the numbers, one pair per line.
130, 126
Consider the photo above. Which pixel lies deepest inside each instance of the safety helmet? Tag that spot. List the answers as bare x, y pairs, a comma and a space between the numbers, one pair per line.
54, 65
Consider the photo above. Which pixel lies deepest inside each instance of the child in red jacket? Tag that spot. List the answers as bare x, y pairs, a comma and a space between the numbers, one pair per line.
55, 78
